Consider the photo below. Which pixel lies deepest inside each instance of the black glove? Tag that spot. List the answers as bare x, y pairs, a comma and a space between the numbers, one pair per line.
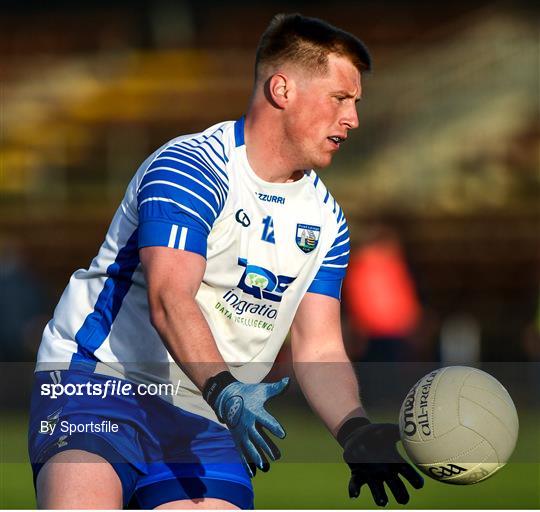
370, 451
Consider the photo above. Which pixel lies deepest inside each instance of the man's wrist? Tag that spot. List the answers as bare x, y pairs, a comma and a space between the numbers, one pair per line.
214, 385
349, 427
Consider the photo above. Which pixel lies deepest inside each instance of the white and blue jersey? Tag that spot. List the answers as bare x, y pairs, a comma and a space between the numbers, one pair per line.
266, 245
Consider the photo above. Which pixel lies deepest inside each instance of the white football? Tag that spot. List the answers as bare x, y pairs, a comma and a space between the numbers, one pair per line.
458, 425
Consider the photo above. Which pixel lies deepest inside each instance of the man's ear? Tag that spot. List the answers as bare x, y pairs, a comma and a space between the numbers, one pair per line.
278, 89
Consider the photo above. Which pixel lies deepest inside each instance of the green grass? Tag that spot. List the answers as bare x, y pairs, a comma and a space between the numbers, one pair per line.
311, 486
310, 475
16, 489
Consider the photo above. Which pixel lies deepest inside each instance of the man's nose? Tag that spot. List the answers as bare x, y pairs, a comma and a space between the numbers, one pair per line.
351, 119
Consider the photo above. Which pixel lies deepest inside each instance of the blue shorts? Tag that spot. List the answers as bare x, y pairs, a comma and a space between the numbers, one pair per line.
160, 452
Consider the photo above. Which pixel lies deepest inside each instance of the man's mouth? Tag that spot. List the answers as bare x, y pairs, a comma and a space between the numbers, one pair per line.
336, 139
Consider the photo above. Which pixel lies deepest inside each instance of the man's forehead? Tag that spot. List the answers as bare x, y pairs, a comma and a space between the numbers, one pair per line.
343, 74
342, 65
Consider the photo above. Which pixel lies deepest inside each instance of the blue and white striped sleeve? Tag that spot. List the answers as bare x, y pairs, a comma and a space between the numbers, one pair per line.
330, 276
180, 196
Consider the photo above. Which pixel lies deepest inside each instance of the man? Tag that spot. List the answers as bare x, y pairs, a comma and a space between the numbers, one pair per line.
224, 241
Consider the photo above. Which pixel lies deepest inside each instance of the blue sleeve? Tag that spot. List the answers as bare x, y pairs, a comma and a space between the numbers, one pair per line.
180, 196
330, 276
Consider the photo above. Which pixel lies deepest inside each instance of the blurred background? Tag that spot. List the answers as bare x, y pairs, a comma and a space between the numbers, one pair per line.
440, 183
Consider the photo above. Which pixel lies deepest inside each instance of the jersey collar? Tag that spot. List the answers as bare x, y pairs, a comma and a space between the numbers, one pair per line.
239, 132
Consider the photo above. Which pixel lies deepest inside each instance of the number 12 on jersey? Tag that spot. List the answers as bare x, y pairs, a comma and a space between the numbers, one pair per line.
268, 230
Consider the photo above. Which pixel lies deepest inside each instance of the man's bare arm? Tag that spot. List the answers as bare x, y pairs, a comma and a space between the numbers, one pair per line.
328, 381
173, 278
321, 364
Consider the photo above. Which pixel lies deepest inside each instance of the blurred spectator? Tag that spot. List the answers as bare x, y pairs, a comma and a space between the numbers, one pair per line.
21, 306
381, 300
460, 340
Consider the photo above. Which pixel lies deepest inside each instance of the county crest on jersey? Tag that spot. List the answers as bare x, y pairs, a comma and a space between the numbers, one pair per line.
307, 237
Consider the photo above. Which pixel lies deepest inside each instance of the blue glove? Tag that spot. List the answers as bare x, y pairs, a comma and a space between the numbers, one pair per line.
241, 407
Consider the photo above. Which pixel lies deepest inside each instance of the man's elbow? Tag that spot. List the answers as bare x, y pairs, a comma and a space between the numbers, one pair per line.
157, 312
165, 305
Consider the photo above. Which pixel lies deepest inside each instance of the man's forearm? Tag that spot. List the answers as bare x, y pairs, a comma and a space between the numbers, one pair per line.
331, 388
187, 336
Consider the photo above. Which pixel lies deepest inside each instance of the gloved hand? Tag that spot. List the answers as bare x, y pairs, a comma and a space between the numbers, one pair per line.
370, 451
241, 407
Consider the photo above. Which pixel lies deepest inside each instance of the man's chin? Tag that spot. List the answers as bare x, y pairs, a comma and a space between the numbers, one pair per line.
323, 162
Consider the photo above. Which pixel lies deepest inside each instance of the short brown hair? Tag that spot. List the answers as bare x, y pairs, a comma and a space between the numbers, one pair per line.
307, 42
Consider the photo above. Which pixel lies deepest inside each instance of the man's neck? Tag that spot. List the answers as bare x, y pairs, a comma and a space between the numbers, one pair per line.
267, 151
